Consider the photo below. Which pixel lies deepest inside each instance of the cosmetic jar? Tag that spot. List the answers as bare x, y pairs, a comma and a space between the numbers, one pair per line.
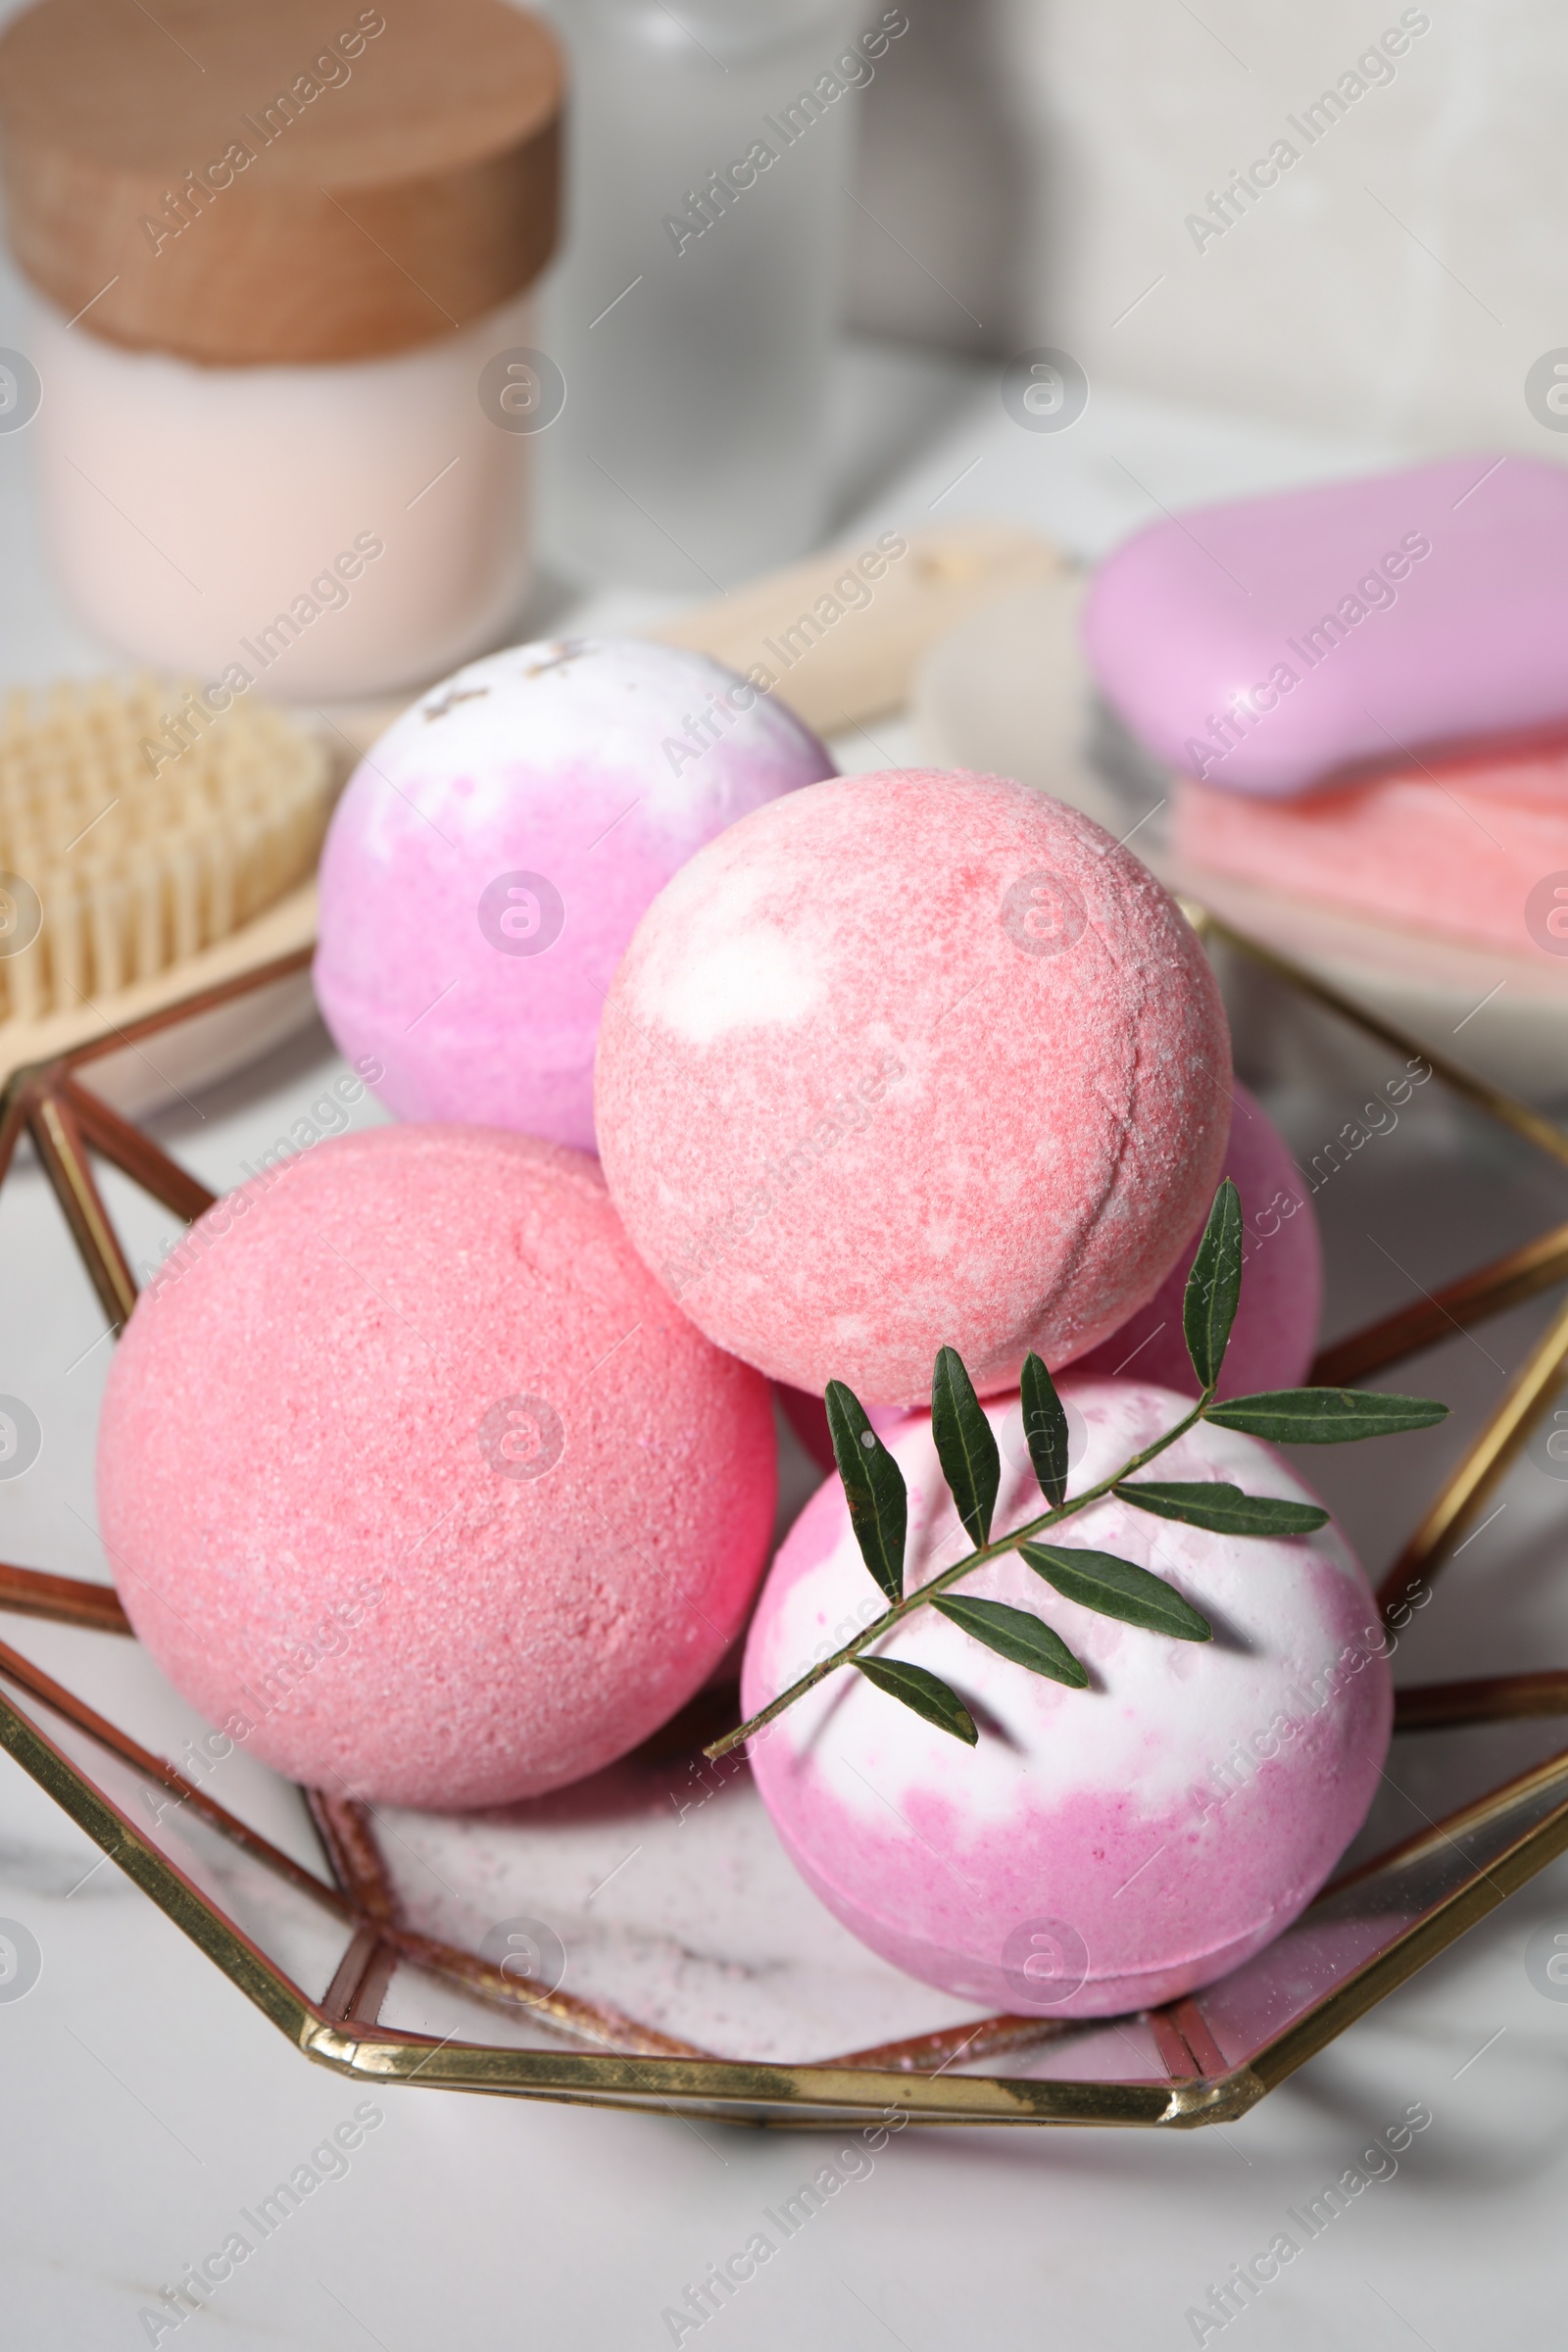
282, 258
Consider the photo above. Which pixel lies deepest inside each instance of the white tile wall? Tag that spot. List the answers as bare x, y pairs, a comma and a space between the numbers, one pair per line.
1039, 161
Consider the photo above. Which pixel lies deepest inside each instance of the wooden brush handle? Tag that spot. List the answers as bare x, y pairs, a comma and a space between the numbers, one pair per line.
838, 655
841, 647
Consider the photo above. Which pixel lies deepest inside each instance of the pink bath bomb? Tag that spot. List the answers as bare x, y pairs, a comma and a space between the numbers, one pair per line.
414, 1481
491, 857
1101, 1850
1274, 1337
912, 1061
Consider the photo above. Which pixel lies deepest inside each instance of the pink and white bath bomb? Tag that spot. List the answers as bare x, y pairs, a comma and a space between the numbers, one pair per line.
1274, 1337
491, 856
1101, 1849
912, 1061
415, 1484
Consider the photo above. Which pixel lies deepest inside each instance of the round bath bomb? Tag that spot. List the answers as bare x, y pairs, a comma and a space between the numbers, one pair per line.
1274, 1337
912, 1061
490, 859
414, 1481
1101, 1849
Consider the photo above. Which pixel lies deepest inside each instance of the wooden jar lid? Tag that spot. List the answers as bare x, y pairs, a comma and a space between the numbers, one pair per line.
244, 182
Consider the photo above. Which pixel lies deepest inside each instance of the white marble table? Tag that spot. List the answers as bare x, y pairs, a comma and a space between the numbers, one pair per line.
146, 2105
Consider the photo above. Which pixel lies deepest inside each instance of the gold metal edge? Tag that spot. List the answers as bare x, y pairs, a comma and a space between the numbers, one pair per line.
1483, 1892
1486, 1699
1462, 1822
746, 2091
1487, 1460
19, 1672
1531, 1124
275, 1994
720, 2088
1491, 1289
742, 2091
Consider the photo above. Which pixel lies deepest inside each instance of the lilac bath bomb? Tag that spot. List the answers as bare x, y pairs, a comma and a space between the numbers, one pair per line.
1101, 1849
1274, 1337
492, 856
414, 1481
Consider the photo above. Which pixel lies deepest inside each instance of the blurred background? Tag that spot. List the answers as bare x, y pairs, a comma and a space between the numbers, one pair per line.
1004, 174
1021, 172
1399, 280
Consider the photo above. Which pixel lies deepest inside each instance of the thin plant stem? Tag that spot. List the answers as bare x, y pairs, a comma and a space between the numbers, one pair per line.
995, 1549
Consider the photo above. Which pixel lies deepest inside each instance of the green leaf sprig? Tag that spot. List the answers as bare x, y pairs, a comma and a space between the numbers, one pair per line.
966, 1448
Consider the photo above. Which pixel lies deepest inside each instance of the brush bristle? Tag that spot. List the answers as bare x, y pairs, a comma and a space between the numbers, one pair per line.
139, 859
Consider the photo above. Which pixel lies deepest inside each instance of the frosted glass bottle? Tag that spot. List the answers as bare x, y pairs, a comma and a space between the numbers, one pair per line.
693, 309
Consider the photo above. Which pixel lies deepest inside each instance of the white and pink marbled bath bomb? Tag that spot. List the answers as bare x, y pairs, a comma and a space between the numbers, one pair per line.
912, 1061
491, 857
415, 1484
1104, 1849
1274, 1337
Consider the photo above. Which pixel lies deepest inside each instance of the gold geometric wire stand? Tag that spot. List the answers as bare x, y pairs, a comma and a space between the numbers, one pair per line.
1209, 2057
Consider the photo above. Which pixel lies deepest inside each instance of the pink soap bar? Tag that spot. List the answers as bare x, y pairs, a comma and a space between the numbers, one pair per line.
1274, 1337
911, 1060
416, 1484
490, 857
1263, 645
1103, 1849
1477, 848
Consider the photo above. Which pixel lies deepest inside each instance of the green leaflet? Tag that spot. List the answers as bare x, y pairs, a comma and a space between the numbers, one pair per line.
966, 1447
926, 1694
1225, 1510
1326, 1416
1044, 1429
1098, 1580
878, 1502
1014, 1634
1215, 1285
874, 1487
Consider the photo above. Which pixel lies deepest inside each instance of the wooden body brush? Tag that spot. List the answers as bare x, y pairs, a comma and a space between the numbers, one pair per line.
147, 847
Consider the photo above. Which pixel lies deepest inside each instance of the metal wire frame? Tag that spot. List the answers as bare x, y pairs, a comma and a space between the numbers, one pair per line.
606, 2058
